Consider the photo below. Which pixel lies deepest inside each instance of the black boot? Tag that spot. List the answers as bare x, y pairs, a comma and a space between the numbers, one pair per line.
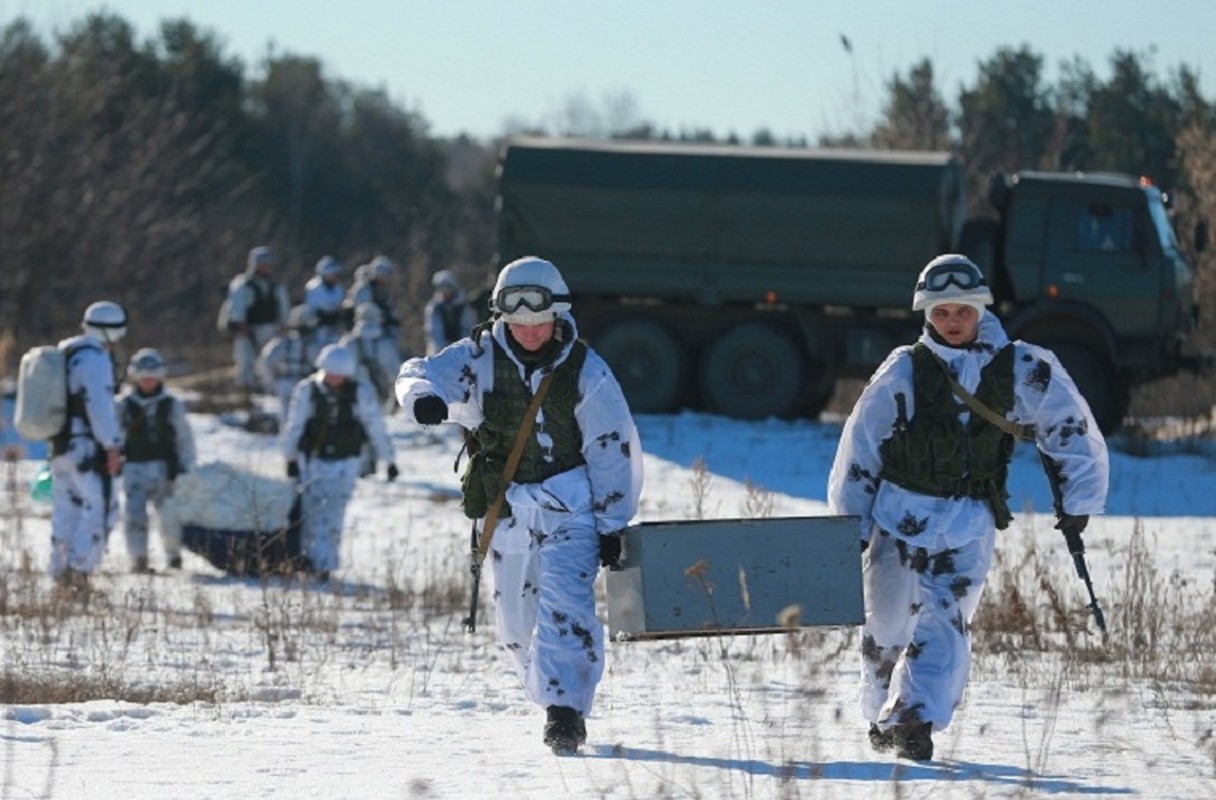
913, 742
881, 740
564, 729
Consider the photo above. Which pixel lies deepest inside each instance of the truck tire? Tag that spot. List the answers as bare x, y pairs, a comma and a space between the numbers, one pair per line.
754, 371
647, 361
1095, 378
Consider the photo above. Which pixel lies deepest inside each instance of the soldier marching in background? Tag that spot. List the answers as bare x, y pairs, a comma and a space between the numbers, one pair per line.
86, 454
448, 316
256, 309
288, 357
324, 294
158, 447
332, 415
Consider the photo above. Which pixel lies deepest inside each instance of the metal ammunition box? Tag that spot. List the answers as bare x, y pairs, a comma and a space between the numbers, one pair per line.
735, 576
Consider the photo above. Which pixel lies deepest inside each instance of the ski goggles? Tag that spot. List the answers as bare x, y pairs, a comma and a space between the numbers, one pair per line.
533, 298
945, 275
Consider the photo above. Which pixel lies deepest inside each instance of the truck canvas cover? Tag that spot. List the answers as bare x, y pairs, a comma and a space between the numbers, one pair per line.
821, 226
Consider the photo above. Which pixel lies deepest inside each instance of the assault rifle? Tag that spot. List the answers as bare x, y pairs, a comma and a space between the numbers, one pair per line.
1073, 539
470, 622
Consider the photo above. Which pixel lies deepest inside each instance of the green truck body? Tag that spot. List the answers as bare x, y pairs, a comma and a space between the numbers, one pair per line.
745, 281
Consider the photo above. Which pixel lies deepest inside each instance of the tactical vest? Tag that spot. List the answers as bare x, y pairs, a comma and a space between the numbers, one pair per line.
935, 454
333, 432
504, 408
450, 317
150, 437
264, 309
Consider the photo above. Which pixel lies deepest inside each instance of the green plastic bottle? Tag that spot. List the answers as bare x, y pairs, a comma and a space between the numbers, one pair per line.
40, 486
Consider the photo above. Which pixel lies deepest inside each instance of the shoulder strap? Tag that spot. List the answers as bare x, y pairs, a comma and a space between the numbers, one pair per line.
508, 472
1015, 429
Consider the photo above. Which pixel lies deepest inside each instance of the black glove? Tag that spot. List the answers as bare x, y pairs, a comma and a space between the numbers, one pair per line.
1072, 525
610, 550
293, 468
430, 410
392, 473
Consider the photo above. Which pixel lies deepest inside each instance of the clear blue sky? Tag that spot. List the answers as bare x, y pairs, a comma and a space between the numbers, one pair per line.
726, 65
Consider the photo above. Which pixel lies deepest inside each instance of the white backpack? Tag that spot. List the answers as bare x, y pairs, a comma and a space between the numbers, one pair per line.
42, 392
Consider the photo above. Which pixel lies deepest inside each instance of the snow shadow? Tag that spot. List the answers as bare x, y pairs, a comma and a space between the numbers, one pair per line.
956, 772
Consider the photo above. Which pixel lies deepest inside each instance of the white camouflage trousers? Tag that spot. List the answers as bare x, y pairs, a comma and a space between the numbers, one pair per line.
80, 518
245, 351
326, 487
545, 561
916, 641
146, 482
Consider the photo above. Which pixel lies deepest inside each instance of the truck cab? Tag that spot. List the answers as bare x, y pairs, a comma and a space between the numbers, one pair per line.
1088, 265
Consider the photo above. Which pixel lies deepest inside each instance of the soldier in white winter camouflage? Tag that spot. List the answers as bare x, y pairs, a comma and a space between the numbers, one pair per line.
158, 446
927, 476
577, 484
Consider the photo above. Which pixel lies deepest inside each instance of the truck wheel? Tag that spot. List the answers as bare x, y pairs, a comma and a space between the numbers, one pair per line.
753, 372
647, 361
1095, 378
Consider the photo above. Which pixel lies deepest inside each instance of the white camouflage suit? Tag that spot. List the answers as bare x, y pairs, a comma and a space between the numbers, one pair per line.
545, 556
327, 484
247, 346
286, 360
928, 556
149, 481
81, 517
378, 357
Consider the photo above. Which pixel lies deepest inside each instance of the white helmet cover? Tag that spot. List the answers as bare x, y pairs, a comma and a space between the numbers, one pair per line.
146, 363
381, 267
328, 267
445, 279
106, 319
531, 271
259, 255
335, 359
951, 278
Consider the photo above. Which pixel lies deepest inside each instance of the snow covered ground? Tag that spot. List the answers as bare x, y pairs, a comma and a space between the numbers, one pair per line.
369, 688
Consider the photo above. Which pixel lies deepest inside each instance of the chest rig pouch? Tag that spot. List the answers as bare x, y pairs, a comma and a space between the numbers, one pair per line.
934, 453
504, 408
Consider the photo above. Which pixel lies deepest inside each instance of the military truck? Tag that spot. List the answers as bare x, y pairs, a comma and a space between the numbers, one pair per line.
746, 281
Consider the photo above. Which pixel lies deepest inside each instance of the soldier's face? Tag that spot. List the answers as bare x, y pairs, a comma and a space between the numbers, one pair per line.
532, 337
148, 385
956, 323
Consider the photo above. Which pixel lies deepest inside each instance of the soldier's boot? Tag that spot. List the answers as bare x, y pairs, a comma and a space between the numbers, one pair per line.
913, 741
564, 730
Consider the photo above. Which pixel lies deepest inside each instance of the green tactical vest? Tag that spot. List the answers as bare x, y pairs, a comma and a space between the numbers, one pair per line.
935, 454
333, 432
504, 408
150, 437
265, 306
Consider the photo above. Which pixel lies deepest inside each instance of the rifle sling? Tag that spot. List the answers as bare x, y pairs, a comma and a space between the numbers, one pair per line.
508, 471
1017, 430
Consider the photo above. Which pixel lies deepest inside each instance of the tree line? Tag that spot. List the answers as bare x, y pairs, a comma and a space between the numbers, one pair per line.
144, 171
